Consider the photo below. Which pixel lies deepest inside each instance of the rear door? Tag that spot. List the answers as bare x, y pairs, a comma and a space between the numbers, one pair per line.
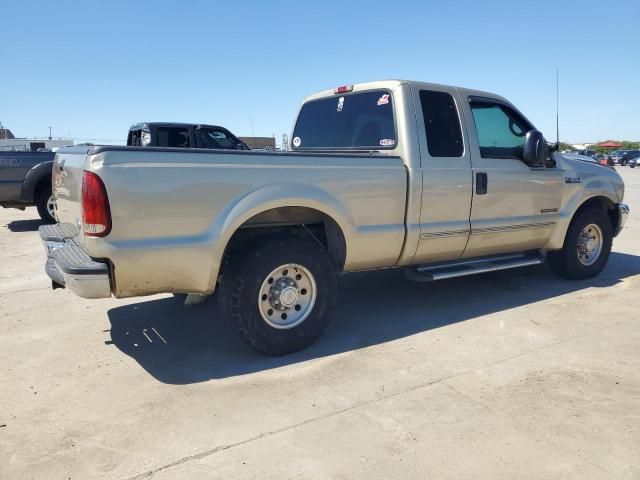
446, 175
172, 137
515, 206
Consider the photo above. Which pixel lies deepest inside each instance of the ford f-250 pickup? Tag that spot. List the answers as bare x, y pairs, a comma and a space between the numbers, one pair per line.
442, 181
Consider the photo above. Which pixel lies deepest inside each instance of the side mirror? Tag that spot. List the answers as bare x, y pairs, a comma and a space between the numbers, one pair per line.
534, 151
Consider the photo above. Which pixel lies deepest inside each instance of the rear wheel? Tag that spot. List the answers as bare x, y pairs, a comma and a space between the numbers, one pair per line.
586, 246
279, 295
46, 206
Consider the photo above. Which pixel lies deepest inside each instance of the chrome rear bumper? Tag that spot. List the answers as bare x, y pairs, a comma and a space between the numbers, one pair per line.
69, 266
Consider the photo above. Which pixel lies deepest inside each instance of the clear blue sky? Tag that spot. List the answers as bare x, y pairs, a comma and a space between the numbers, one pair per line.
92, 68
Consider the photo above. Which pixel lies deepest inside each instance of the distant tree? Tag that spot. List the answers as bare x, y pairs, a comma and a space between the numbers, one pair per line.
565, 146
595, 148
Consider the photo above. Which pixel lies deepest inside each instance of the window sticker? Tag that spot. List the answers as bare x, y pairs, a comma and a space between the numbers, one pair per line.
384, 99
387, 142
340, 104
297, 142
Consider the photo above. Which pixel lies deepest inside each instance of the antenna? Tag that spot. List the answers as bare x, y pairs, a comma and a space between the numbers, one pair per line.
557, 106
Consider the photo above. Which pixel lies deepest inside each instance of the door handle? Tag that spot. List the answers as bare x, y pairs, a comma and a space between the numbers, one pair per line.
481, 183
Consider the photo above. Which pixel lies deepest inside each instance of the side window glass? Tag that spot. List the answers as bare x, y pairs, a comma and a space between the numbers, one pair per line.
442, 124
173, 137
501, 131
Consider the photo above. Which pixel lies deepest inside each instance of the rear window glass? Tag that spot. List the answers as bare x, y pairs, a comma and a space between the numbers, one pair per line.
173, 137
353, 121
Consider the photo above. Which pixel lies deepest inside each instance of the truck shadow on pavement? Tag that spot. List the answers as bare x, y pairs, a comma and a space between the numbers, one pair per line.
181, 345
24, 225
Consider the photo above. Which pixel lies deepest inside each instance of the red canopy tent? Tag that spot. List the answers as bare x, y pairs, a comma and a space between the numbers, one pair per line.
610, 144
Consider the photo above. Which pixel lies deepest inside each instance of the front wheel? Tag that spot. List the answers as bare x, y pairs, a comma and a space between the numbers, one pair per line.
280, 295
45, 205
586, 246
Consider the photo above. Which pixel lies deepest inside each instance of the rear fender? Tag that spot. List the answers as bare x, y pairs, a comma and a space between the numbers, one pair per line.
269, 197
38, 173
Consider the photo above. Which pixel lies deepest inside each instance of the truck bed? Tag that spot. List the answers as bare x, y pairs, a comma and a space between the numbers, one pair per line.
173, 210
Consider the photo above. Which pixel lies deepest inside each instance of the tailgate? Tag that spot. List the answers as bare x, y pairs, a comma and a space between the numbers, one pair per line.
68, 168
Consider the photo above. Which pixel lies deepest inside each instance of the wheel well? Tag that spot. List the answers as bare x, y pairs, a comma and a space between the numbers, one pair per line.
301, 221
40, 186
604, 204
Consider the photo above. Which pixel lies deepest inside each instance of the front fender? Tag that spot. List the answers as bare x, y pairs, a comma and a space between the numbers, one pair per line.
595, 181
32, 178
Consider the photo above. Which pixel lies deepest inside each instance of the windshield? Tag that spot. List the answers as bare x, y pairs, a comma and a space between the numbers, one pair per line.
353, 121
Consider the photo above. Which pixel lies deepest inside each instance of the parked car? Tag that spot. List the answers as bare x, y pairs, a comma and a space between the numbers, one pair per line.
441, 181
25, 181
603, 159
634, 162
183, 135
587, 153
627, 156
616, 155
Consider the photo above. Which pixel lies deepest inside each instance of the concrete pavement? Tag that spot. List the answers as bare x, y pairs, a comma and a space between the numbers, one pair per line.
514, 374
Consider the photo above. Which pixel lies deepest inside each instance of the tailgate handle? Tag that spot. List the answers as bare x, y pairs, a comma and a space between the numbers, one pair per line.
481, 183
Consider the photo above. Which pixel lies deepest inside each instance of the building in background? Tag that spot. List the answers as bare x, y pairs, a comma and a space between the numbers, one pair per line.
8, 141
260, 143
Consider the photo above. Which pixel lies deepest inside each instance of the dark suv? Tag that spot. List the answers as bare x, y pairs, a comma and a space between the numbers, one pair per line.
628, 156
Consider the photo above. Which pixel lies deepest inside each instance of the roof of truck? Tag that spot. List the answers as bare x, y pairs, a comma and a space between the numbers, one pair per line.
138, 126
393, 83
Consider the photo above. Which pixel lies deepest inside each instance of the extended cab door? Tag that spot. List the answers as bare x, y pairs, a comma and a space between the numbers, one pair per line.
515, 206
446, 175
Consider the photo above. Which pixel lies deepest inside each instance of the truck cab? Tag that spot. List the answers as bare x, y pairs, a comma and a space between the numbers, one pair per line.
183, 135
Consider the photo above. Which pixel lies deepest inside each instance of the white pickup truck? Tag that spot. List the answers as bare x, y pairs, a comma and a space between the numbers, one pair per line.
442, 181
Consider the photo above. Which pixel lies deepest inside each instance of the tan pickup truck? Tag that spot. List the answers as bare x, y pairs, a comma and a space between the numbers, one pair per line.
442, 181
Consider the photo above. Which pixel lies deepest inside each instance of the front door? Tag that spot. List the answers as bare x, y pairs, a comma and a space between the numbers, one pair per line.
515, 206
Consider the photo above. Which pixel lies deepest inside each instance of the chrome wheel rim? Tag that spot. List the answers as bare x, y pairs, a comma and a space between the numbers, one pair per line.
287, 296
51, 208
590, 244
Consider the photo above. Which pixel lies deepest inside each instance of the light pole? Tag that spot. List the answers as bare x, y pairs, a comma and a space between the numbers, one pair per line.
49, 133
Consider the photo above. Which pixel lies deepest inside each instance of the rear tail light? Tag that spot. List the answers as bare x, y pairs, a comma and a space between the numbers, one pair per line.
96, 216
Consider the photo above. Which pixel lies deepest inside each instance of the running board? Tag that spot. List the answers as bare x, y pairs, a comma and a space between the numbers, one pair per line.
462, 268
